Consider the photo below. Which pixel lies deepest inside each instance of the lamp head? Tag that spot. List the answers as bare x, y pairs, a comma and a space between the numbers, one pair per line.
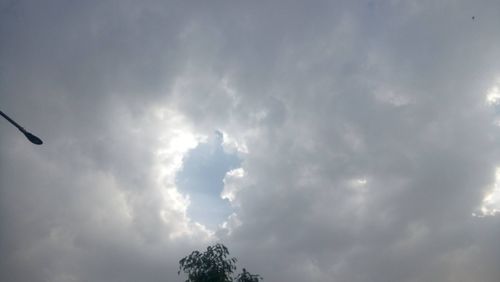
33, 138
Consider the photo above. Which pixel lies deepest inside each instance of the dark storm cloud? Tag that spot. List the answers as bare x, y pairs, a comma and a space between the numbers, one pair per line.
370, 143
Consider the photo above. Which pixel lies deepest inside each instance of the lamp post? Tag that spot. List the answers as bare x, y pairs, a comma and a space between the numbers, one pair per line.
33, 139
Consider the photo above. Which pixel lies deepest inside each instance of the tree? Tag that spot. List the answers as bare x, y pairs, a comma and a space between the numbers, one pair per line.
246, 276
213, 265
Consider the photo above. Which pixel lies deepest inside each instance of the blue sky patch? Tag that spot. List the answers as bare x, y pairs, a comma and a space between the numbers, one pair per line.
201, 177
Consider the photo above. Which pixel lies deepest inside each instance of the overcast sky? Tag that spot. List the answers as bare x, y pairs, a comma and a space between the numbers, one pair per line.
346, 141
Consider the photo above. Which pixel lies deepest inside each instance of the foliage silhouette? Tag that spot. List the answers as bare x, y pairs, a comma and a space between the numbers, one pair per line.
246, 276
213, 265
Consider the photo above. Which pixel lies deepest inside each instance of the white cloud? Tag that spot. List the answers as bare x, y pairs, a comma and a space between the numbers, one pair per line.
490, 205
232, 182
493, 95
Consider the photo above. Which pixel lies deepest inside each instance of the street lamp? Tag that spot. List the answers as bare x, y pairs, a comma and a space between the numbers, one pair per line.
31, 137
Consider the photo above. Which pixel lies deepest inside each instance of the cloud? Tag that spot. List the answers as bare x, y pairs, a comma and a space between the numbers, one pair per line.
366, 132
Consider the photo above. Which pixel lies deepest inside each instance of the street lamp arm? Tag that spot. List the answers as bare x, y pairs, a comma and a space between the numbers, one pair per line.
31, 137
13, 122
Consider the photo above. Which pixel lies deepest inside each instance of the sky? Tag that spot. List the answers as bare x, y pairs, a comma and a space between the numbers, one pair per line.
346, 141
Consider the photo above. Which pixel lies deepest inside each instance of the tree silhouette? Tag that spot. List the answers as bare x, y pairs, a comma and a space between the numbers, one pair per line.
213, 265
246, 276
